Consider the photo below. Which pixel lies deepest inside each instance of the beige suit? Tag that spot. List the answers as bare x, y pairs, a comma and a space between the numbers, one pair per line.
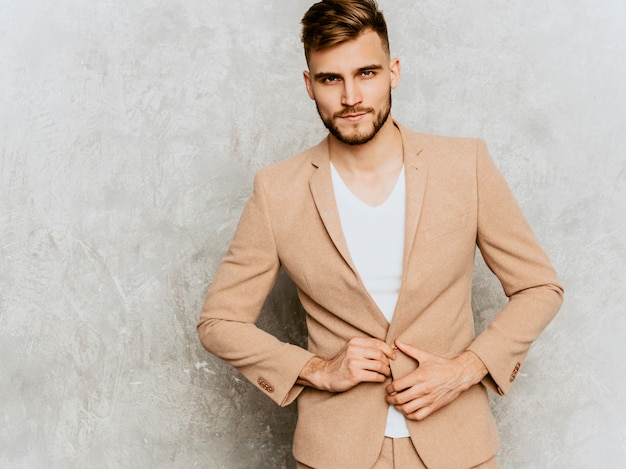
455, 199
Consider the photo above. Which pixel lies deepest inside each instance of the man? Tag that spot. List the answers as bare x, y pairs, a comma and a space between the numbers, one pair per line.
377, 226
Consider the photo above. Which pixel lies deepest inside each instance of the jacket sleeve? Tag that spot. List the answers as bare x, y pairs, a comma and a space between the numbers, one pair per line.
513, 254
233, 303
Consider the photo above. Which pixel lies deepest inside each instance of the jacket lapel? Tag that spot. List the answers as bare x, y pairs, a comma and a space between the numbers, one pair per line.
323, 195
416, 172
321, 186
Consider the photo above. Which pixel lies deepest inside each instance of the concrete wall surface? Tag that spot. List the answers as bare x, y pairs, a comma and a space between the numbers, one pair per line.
129, 135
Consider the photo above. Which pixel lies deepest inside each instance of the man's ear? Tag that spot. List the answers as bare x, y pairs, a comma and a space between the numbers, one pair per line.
307, 82
394, 70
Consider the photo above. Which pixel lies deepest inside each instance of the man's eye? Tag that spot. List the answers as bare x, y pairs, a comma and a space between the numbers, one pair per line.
367, 73
331, 79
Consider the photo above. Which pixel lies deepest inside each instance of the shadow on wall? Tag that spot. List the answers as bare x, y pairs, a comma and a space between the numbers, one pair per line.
263, 434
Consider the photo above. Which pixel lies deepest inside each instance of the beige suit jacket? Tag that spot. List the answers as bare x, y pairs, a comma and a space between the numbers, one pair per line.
455, 200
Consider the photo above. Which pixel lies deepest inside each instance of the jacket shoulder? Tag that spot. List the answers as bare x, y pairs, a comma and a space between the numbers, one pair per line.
291, 171
445, 141
450, 154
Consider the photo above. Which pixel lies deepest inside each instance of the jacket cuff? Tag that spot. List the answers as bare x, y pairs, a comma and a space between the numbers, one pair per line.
500, 374
280, 384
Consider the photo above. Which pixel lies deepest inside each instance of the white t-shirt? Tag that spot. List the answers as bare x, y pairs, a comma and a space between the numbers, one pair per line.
375, 238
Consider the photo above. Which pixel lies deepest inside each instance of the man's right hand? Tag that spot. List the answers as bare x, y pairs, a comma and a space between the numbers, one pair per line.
361, 360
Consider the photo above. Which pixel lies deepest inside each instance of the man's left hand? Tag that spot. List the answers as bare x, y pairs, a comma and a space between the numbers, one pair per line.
435, 383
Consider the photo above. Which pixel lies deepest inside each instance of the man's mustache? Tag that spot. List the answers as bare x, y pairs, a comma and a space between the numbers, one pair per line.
353, 110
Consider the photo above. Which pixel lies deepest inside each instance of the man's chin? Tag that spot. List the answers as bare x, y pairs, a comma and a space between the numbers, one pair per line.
353, 136
354, 139
359, 140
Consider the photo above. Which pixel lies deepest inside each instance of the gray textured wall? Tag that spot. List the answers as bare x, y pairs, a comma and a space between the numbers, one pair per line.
129, 134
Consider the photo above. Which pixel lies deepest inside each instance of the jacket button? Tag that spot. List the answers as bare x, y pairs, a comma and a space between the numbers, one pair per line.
515, 370
262, 382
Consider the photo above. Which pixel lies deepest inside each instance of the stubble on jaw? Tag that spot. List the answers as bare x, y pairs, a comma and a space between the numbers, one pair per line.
356, 138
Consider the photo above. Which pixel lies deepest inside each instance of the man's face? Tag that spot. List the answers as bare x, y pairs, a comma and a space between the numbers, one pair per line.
351, 84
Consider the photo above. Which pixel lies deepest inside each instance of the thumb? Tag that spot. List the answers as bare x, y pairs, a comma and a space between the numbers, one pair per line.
413, 352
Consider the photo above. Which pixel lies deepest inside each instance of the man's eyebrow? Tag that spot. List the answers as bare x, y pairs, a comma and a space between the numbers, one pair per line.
322, 75
371, 67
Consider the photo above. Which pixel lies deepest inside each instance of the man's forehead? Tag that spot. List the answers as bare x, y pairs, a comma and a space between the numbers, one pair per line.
365, 50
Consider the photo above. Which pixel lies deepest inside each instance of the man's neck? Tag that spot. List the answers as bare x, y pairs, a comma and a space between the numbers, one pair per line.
370, 170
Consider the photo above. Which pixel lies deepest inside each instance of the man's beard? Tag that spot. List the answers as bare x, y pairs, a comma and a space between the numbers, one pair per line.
357, 138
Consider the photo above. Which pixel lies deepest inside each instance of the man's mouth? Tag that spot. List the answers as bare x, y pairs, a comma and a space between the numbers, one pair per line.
353, 115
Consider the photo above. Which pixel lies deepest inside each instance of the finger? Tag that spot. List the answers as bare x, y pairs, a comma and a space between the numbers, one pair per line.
368, 359
413, 406
399, 398
372, 377
377, 366
424, 408
362, 355
420, 414
377, 344
386, 349
375, 354
413, 352
398, 386
363, 369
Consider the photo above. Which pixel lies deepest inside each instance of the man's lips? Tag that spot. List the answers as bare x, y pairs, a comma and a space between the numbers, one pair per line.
354, 115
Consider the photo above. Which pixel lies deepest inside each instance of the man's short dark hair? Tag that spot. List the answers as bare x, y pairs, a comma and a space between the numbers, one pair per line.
331, 22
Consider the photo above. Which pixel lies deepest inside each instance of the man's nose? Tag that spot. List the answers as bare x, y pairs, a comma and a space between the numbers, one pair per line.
351, 93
